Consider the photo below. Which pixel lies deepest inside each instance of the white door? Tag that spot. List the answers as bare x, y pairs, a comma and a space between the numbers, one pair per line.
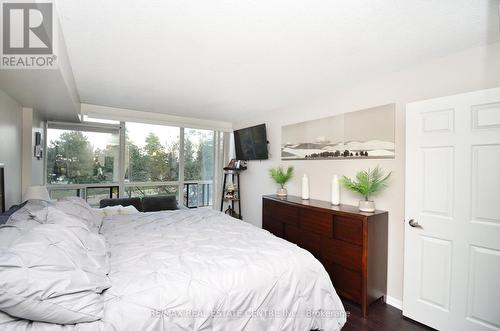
452, 246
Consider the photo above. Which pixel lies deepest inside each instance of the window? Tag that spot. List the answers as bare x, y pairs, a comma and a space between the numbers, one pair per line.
152, 153
64, 193
143, 191
83, 160
198, 154
198, 167
81, 157
94, 195
198, 194
86, 160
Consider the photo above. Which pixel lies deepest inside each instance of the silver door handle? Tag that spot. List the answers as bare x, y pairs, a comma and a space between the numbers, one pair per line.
414, 224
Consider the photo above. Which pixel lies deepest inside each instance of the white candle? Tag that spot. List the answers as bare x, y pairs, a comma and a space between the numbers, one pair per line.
305, 187
335, 190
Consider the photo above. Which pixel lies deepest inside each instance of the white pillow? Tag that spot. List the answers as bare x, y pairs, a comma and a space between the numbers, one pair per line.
98, 211
94, 244
118, 210
111, 210
23, 219
79, 208
48, 275
129, 210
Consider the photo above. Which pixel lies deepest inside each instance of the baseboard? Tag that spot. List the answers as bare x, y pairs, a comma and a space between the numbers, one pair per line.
394, 302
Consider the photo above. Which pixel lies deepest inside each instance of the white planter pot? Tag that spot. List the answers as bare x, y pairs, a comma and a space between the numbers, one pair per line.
367, 206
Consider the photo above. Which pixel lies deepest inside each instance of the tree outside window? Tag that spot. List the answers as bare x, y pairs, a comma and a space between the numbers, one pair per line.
152, 153
78, 157
151, 156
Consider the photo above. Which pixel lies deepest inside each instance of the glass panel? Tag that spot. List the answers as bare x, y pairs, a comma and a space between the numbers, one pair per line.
197, 195
198, 154
95, 194
142, 191
63, 193
190, 195
78, 157
207, 197
152, 153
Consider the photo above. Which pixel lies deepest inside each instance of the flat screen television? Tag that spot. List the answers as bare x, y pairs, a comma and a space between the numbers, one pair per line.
251, 143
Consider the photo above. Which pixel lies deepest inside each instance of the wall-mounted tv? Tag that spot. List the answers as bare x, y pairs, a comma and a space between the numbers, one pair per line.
251, 143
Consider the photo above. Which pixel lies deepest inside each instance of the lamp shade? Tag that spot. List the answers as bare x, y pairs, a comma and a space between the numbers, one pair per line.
36, 193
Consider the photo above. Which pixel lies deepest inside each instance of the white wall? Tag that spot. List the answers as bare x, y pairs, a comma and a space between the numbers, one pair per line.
10, 147
468, 70
52, 92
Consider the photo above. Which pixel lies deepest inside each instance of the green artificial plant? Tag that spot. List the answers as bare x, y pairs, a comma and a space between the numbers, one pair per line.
281, 176
367, 183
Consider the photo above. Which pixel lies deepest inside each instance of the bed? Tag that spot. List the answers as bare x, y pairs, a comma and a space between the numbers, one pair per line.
171, 270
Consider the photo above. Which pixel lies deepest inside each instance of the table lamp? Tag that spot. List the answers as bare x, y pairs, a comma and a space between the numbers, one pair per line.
36, 193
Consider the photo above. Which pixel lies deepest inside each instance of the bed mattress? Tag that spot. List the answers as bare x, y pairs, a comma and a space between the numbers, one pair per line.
202, 270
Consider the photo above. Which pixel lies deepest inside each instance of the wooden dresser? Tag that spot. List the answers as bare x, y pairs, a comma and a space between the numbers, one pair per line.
352, 245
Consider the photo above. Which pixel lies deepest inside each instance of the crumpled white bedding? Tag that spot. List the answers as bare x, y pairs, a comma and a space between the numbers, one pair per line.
202, 270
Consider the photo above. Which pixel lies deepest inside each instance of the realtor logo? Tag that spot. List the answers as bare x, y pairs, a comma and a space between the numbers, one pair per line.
28, 35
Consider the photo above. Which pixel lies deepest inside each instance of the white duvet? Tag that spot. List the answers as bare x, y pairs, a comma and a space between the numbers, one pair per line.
202, 270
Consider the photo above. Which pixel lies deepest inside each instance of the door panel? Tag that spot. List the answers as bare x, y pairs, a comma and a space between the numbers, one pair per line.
452, 257
486, 116
485, 183
484, 283
436, 272
437, 176
438, 121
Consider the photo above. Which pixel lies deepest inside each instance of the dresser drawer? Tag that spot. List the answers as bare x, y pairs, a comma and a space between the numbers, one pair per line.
341, 253
311, 242
292, 233
281, 212
307, 240
273, 226
348, 229
316, 222
346, 282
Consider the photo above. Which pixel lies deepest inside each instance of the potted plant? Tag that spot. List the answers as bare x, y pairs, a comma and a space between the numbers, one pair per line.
367, 183
281, 177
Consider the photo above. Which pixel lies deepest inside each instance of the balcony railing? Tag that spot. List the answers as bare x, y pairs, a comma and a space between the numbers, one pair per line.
194, 193
92, 193
198, 194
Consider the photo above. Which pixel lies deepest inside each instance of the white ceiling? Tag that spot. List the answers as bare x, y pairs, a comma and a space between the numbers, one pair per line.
221, 59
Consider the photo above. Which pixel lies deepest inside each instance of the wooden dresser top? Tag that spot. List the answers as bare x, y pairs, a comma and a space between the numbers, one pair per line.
323, 205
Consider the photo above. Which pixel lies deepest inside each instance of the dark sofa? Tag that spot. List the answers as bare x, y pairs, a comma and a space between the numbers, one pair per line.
146, 204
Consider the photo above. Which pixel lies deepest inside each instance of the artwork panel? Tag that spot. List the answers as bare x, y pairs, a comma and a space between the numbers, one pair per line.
367, 133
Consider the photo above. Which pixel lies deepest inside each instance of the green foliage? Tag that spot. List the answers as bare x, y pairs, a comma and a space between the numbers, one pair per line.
156, 159
281, 176
71, 159
367, 183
